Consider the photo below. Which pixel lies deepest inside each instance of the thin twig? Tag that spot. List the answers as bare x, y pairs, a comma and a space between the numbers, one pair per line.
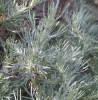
9, 74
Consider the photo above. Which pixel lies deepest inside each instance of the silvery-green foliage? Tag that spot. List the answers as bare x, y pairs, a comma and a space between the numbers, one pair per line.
82, 32
16, 13
48, 70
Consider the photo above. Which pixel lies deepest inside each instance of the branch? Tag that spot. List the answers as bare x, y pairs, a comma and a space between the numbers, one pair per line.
9, 74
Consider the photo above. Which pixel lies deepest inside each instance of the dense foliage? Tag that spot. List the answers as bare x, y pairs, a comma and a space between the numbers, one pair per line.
50, 60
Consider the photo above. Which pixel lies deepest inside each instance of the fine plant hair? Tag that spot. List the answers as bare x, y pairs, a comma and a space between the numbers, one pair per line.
52, 60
